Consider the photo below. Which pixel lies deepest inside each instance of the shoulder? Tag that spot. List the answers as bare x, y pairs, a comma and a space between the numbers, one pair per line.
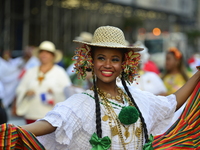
151, 74
32, 70
80, 100
58, 68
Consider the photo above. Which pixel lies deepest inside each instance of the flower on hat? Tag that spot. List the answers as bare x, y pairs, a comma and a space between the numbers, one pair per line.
130, 65
83, 60
176, 52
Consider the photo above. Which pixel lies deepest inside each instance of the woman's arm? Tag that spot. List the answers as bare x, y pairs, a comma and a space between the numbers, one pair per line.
186, 90
39, 128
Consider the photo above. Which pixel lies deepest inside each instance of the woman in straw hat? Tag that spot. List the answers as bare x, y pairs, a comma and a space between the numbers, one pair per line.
106, 116
38, 90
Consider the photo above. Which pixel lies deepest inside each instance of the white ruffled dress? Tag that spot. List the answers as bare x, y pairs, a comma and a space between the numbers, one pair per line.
75, 120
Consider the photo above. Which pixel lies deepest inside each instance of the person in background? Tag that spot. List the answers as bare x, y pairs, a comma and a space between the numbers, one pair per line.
79, 85
10, 69
148, 65
193, 62
29, 60
41, 87
147, 80
175, 75
85, 37
3, 114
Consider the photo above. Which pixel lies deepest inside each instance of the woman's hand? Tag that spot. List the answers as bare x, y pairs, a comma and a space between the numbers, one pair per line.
50, 91
30, 93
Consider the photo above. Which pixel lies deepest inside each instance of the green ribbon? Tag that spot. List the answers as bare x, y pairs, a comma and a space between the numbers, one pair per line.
148, 146
100, 143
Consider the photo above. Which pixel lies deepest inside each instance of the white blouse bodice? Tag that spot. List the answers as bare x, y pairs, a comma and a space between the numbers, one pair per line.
75, 120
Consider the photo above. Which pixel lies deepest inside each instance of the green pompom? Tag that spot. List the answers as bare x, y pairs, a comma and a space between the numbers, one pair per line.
128, 115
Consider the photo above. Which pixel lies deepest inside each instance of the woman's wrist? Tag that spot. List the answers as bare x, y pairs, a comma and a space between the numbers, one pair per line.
198, 68
198, 74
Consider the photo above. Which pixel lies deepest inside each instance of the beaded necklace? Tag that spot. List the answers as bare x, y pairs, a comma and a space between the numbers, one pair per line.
112, 116
117, 130
108, 95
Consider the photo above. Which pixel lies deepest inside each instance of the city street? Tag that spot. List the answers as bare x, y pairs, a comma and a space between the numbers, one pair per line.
14, 119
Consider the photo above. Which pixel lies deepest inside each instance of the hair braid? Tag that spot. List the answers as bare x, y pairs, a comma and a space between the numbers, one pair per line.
141, 117
98, 111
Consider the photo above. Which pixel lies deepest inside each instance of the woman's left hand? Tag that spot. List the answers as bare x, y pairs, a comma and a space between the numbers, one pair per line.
50, 91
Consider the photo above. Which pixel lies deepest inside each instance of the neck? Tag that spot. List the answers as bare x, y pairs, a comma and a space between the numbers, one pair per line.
107, 87
46, 67
174, 71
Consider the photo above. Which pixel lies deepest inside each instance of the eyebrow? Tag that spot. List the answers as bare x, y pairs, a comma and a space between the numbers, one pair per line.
105, 55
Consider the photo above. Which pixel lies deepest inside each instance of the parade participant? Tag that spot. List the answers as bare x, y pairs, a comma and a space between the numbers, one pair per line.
42, 86
147, 80
106, 116
175, 75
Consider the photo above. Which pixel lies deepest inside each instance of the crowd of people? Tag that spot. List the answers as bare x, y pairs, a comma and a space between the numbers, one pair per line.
114, 104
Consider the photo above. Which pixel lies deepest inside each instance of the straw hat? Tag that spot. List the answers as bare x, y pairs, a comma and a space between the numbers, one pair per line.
50, 47
111, 37
84, 36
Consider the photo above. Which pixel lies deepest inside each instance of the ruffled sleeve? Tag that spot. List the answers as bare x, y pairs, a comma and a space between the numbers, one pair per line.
71, 117
157, 111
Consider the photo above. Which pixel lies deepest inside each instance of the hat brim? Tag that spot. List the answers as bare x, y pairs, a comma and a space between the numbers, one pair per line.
111, 45
57, 53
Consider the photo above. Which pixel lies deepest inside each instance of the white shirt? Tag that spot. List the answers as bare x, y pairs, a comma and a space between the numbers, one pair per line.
33, 107
1, 90
75, 120
9, 73
149, 81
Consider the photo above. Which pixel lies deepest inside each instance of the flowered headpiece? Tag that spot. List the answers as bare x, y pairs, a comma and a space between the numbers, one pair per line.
176, 52
84, 62
110, 37
130, 66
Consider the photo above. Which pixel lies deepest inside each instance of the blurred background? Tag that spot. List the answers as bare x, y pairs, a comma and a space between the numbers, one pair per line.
158, 23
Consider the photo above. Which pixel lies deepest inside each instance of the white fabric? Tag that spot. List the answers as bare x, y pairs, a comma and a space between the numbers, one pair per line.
32, 62
149, 81
32, 107
1, 90
70, 70
9, 73
177, 114
75, 120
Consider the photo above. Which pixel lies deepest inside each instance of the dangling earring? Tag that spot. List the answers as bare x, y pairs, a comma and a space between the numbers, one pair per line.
119, 78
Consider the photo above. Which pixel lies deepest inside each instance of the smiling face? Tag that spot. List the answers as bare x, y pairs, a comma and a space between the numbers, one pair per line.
107, 64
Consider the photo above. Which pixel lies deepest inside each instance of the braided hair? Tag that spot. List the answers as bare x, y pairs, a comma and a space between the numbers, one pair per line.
141, 117
98, 110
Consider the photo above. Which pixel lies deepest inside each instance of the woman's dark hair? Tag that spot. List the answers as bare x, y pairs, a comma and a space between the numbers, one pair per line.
181, 67
97, 102
132, 100
98, 110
